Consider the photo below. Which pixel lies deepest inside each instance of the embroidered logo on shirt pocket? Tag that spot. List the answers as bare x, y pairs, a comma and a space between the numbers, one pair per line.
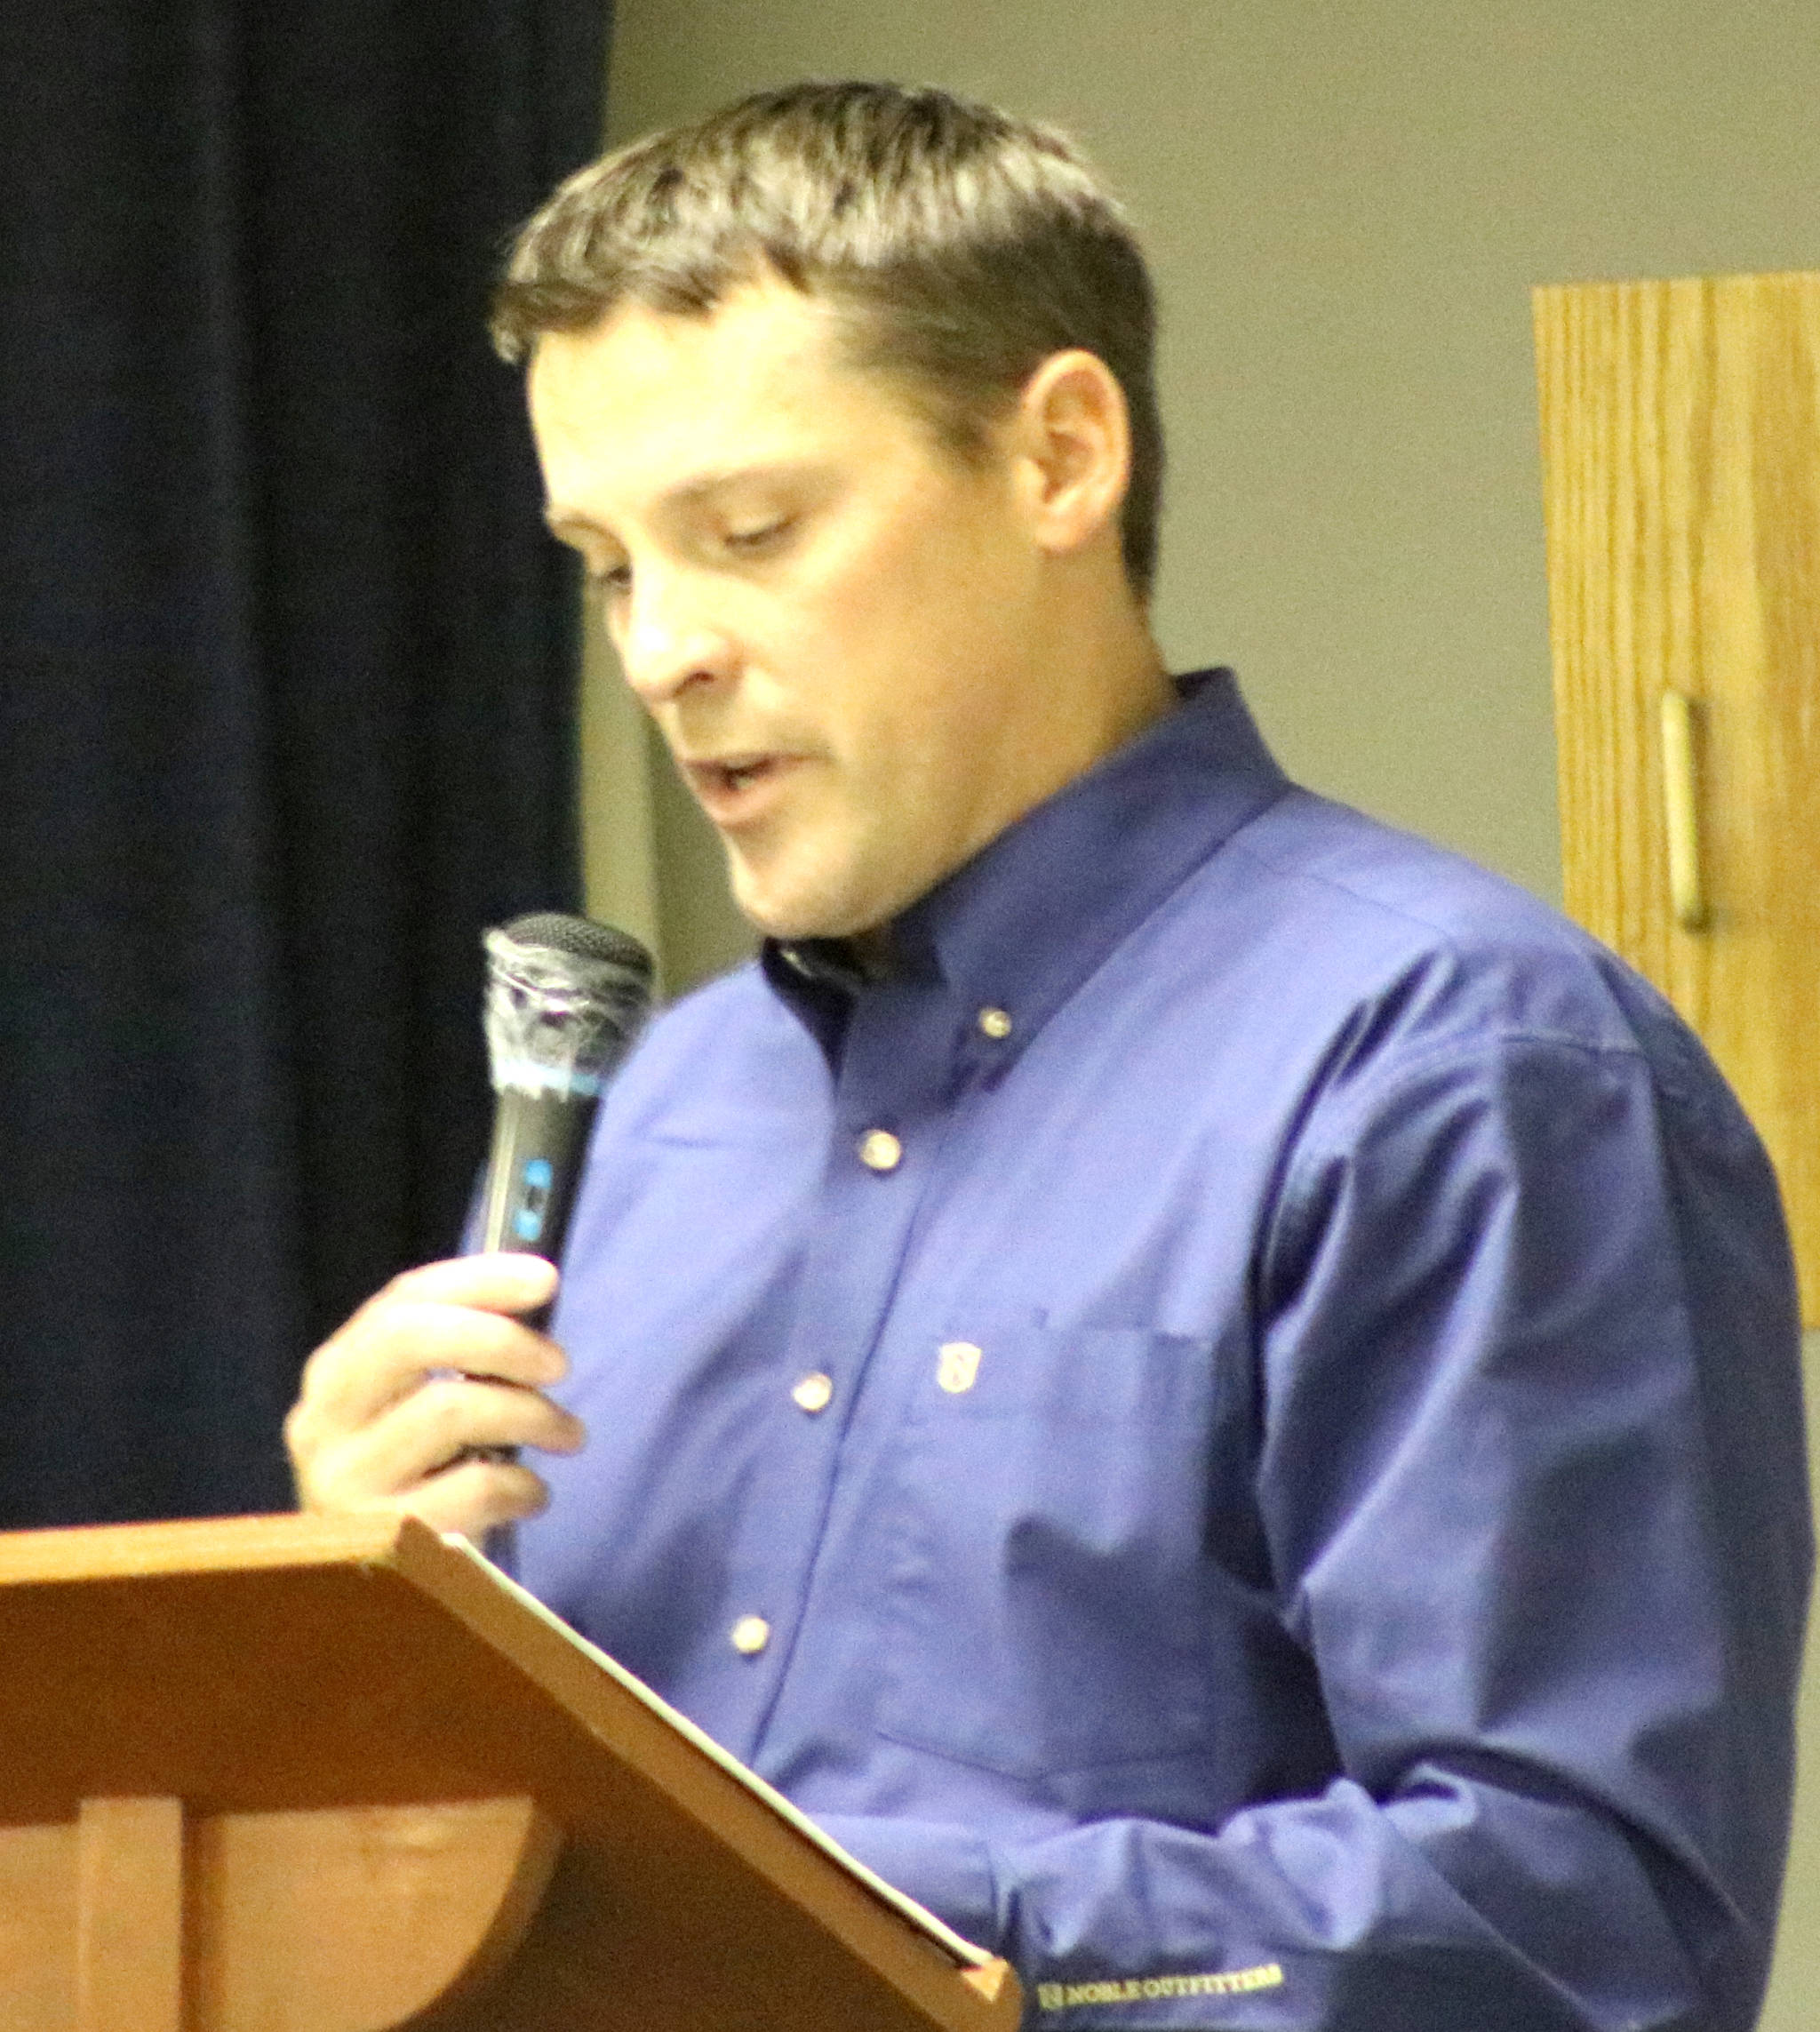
1048, 1598
957, 1366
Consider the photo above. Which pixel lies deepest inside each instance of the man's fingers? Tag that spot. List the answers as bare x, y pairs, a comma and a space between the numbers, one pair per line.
435, 1364
422, 1434
418, 1325
413, 1439
504, 1281
473, 1497
476, 1497
413, 1339
455, 1297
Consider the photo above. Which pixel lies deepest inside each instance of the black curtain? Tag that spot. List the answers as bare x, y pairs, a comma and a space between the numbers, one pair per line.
285, 694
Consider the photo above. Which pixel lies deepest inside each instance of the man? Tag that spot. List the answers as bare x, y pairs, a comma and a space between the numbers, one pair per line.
1211, 1388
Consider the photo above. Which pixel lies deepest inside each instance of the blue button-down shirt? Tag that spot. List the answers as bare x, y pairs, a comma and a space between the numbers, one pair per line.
1232, 1425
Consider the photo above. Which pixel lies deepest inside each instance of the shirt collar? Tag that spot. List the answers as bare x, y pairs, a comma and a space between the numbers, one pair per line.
1023, 923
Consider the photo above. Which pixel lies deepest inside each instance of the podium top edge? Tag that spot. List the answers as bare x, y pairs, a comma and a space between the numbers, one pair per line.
200, 1544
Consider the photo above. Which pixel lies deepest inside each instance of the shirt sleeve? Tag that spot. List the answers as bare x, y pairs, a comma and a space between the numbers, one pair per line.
1530, 1470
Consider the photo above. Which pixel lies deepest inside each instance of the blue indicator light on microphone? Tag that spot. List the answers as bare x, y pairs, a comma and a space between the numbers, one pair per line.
527, 1219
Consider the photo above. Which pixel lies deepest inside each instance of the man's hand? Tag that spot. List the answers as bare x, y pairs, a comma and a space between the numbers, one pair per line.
433, 1366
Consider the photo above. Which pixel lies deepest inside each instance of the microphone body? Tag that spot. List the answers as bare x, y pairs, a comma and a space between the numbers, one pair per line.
565, 998
539, 1141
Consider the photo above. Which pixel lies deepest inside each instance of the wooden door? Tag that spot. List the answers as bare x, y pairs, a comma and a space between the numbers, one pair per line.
1680, 439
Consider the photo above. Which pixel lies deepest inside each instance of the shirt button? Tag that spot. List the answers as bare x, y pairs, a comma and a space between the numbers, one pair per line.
750, 1635
995, 1022
814, 1393
880, 1151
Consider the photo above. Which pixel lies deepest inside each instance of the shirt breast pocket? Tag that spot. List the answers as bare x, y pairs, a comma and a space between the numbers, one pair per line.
1048, 1592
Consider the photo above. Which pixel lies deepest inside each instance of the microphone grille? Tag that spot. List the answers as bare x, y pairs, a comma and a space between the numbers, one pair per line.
564, 999
556, 930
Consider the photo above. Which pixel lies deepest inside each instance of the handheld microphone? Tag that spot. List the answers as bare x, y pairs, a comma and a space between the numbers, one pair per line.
565, 1000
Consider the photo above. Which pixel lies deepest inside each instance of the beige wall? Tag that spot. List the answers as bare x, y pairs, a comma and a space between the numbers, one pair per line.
1347, 205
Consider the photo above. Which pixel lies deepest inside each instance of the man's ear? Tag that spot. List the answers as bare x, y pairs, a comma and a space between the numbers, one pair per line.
1073, 433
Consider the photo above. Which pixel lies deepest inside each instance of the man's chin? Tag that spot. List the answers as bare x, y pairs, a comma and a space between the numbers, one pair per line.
797, 912
790, 926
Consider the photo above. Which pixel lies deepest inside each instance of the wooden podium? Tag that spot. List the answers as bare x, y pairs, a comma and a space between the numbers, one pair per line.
293, 1774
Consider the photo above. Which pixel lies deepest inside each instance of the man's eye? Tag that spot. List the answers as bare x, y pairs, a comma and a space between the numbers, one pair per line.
760, 536
611, 581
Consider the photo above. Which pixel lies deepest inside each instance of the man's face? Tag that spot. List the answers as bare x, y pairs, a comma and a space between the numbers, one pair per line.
837, 625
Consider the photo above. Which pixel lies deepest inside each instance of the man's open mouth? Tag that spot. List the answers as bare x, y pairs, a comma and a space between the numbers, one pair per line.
722, 785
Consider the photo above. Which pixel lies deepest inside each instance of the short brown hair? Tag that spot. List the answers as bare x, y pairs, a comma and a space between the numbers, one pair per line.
963, 246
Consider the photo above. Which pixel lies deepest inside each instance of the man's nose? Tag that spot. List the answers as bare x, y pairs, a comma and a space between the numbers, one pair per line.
667, 641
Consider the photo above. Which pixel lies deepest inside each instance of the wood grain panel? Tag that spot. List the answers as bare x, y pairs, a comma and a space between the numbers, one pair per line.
339, 1920
37, 1927
1680, 434
421, 1903
129, 1915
